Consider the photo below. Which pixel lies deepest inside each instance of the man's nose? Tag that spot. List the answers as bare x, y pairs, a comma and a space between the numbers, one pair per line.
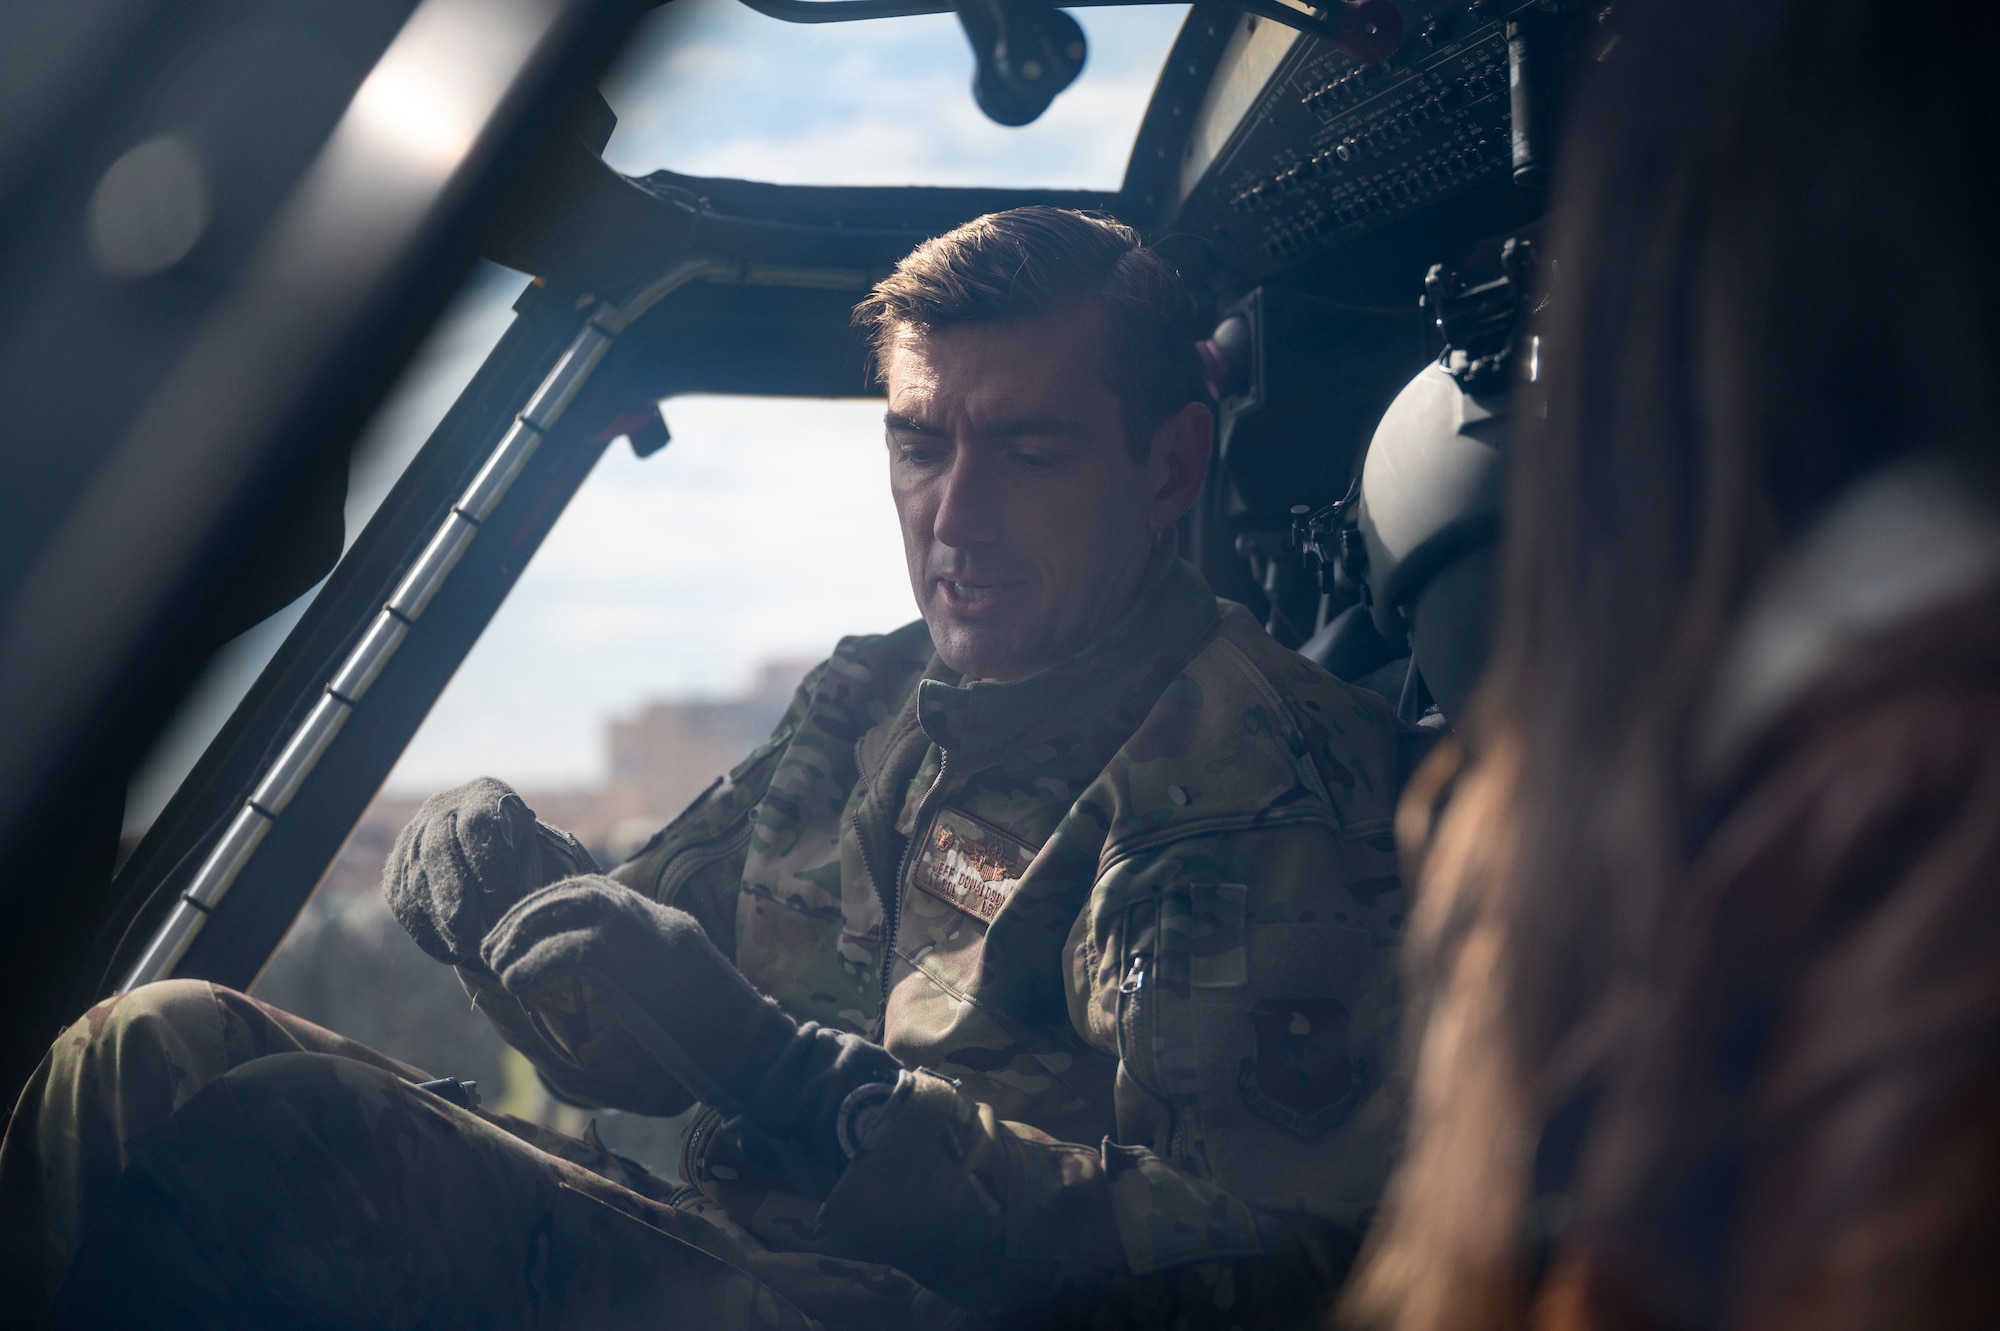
968, 514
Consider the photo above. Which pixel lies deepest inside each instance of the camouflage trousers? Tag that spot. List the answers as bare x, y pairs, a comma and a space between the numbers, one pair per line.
188, 1155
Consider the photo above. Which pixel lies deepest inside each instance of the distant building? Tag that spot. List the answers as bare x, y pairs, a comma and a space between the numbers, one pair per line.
661, 758
670, 751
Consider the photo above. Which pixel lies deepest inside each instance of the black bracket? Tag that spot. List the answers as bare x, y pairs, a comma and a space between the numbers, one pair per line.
1324, 540
1027, 52
1365, 30
1481, 324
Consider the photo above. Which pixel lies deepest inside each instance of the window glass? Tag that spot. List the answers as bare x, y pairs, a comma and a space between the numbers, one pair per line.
762, 533
713, 88
654, 640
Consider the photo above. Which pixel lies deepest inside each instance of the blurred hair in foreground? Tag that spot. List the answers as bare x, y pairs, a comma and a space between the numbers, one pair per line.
1649, 1062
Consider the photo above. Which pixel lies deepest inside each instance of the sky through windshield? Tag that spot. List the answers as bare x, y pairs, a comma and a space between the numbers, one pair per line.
711, 87
663, 578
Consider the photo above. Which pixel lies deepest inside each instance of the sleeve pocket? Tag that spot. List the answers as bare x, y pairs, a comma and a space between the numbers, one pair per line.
1217, 957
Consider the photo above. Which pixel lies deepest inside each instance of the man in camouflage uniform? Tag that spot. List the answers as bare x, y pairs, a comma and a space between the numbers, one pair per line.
1076, 901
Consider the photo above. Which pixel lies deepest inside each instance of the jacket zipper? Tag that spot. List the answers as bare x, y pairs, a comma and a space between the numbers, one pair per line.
1137, 1018
891, 904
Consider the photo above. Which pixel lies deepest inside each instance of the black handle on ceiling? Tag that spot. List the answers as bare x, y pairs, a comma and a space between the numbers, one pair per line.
1364, 29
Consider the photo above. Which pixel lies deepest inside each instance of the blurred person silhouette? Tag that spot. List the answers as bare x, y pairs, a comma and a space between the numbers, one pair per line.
1706, 933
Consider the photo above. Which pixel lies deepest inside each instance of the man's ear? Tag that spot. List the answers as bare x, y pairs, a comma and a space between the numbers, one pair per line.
1178, 463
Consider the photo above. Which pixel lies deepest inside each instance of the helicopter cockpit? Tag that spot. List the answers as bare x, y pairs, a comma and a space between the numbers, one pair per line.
278, 211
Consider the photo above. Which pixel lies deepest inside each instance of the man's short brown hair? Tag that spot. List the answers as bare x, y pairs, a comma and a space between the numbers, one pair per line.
1029, 262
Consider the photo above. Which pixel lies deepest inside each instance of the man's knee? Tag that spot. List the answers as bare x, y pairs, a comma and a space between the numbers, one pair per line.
170, 1001
151, 1008
161, 1043
117, 1071
307, 1177
366, 1146
158, 1043
260, 1190
306, 1181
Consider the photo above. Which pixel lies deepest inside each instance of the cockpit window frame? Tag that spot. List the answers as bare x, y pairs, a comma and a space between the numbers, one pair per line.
725, 286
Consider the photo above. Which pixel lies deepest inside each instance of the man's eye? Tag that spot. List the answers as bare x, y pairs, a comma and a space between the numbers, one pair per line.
917, 453
1038, 461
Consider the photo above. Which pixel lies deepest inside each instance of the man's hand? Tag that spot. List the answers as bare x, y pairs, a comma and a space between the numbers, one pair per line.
468, 855
660, 977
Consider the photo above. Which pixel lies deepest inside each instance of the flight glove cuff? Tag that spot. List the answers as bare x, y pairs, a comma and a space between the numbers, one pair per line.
652, 969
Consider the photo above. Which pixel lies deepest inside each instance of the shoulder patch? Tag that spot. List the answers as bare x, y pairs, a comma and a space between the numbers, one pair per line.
969, 864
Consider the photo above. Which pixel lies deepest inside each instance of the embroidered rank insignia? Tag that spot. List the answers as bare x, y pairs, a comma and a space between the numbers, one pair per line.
969, 864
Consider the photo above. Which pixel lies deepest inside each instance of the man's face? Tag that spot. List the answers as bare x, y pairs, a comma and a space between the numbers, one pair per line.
1026, 523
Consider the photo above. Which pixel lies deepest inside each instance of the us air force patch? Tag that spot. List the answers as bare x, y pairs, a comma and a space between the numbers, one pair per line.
1303, 1078
969, 864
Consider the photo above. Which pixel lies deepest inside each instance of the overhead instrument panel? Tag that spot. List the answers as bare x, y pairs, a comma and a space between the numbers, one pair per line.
1299, 148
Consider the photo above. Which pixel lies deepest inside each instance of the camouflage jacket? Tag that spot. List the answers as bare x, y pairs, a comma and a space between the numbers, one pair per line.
1135, 916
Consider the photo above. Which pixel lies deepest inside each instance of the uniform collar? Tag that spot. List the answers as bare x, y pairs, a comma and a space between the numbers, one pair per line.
1175, 612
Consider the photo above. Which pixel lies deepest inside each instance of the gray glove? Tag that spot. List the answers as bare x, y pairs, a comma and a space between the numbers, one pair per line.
470, 854
653, 970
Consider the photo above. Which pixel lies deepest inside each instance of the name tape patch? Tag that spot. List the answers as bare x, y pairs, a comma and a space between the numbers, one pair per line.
969, 864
